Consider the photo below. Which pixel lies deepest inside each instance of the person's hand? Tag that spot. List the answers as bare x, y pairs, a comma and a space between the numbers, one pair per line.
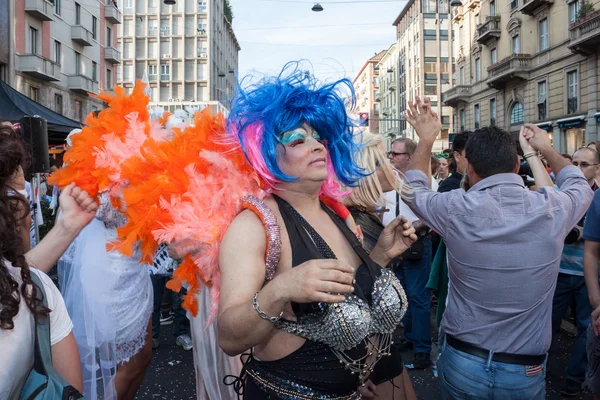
368, 390
324, 281
78, 208
537, 138
596, 321
524, 143
395, 239
421, 116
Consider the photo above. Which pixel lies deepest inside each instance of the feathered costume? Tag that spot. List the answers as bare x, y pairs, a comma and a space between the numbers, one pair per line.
183, 184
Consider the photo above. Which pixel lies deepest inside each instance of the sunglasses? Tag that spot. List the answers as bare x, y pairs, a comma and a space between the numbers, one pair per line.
394, 154
583, 164
443, 155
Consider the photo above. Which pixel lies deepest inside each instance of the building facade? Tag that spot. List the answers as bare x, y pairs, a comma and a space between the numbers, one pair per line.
60, 51
389, 123
423, 33
366, 87
528, 61
188, 51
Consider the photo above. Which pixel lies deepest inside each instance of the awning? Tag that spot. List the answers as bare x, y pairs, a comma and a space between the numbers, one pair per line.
14, 106
571, 122
547, 126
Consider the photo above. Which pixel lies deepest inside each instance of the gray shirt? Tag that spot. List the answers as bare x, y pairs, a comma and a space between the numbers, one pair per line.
504, 246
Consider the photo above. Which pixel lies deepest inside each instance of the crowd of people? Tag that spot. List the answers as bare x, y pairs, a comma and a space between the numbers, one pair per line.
326, 272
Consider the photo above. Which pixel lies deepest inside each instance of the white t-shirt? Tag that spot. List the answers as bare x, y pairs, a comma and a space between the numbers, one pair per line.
17, 345
404, 210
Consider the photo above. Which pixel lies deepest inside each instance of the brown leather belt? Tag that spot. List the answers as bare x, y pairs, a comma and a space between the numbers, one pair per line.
519, 359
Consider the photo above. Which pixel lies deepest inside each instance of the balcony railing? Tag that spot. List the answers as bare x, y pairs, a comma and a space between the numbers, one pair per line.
81, 35
572, 107
530, 6
112, 55
377, 96
511, 68
585, 34
38, 67
456, 95
112, 13
542, 111
489, 30
40, 9
82, 84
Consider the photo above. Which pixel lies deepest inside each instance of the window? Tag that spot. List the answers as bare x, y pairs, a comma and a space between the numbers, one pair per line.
57, 7
516, 114
572, 92
34, 93
201, 6
462, 75
516, 44
165, 71
77, 110
462, 120
3, 72
514, 4
477, 69
431, 67
202, 29
492, 7
58, 103
108, 37
109, 79
94, 71
77, 14
430, 90
77, 63
494, 56
429, 34
152, 69
541, 100
94, 28
573, 11
127, 70
57, 52
33, 40
543, 31
492, 112
477, 116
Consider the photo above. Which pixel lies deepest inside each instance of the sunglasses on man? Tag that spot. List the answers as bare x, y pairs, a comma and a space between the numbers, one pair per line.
394, 154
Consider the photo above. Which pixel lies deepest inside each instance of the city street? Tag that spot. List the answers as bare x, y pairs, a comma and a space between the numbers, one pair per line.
171, 374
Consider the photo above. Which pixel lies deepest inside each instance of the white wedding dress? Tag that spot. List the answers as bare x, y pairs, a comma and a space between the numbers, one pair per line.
109, 299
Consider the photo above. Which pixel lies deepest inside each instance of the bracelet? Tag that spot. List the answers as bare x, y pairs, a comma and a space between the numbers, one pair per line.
261, 313
530, 154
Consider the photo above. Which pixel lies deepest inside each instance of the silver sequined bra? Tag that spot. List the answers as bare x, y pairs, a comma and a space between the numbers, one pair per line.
343, 326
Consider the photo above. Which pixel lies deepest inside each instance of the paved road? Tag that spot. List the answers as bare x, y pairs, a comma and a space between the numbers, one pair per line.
171, 374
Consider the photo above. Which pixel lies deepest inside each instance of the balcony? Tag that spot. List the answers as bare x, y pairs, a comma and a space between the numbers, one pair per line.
82, 84
112, 55
489, 30
81, 35
529, 7
386, 111
510, 69
38, 67
458, 94
378, 96
392, 85
40, 9
112, 13
474, 4
585, 34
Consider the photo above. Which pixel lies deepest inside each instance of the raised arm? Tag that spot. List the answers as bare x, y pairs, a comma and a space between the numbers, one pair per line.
540, 175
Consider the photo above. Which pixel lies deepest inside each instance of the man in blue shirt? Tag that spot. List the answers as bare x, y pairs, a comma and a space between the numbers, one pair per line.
570, 287
591, 262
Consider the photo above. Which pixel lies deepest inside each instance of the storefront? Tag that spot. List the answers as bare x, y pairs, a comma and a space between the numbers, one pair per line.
569, 134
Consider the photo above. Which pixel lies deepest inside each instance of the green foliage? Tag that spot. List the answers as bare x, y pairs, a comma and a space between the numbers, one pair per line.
228, 11
585, 9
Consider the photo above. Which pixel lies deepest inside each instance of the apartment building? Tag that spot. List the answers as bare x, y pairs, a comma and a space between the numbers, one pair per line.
188, 51
423, 33
389, 123
61, 51
528, 61
366, 87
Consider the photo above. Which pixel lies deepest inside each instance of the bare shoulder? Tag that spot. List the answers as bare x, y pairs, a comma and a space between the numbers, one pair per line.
246, 229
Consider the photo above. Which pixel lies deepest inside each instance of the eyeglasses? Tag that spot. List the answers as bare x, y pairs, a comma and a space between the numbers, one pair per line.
394, 154
583, 164
443, 155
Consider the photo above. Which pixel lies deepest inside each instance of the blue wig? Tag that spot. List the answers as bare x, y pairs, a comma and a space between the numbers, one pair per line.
262, 112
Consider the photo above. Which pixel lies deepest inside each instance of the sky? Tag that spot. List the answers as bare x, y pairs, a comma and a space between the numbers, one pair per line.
336, 41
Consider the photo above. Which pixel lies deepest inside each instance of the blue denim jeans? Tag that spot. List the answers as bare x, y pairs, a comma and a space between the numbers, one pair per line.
414, 274
180, 320
571, 290
467, 377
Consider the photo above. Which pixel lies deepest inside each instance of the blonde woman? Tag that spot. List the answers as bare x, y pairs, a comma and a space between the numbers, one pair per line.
366, 204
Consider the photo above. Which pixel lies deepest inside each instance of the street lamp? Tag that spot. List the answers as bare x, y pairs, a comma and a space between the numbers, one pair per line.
317, 7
